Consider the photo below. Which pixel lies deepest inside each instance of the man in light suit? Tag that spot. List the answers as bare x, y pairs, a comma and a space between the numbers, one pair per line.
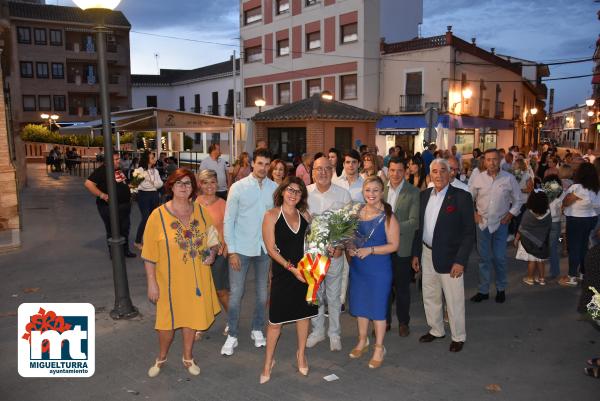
443, 244
404, 199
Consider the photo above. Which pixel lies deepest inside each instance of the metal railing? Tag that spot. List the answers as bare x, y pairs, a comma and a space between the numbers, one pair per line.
411, 103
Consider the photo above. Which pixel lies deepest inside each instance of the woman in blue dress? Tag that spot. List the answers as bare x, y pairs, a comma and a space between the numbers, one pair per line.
371, 269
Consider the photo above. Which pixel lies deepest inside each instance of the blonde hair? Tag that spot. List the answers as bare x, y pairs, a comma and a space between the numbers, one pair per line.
206, 175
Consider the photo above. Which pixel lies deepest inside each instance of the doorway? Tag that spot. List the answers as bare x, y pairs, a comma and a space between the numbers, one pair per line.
343, 139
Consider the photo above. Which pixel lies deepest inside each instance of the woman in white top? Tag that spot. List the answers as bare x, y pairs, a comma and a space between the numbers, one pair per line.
371, 166
148, 198
555, 195
525, 180
581, 206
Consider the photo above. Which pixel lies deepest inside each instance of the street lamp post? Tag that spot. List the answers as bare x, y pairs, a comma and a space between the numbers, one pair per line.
533, 112
124, 308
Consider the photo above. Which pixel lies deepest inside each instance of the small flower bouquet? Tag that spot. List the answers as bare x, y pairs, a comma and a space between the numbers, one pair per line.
593, 307
553, 189
331, 229
137, 177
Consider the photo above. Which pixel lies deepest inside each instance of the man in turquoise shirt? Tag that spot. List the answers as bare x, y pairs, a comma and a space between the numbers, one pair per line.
247, 202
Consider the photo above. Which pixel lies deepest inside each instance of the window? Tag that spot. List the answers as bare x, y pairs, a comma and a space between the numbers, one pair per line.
283, 93
26, 69
58, 71
151, 101
349, 87
60, 103
312, 2
44, 103
313, 40
24, 35
182, 103
41, 70
197, 138
252, 16
283, 47
215, 138
287, 143
197, 107
465, 139
349, 33
56, 37
254, 54
40, 36
253, 93
283, 6
215, 103
313, 86
412, 100
488, 140
28, 103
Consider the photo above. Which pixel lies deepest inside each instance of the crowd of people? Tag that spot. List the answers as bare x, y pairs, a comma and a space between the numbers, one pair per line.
422, 214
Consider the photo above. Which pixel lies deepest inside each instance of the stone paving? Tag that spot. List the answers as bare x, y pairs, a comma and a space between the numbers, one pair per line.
533, 347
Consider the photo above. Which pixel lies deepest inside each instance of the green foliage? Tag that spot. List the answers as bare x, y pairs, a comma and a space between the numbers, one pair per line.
40, 133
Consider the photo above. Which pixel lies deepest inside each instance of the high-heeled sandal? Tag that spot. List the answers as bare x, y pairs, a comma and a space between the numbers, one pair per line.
374, 363
192, 369
263, 379
303, 371
358, 352
155, 369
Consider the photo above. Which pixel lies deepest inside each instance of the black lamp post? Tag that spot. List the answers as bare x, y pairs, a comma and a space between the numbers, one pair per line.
124, 308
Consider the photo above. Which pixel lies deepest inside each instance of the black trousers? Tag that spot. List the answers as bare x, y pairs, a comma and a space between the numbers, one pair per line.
124, 221
401, 286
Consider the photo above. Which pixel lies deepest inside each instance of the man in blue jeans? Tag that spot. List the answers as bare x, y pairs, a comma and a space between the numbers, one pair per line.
247, 202
497, 200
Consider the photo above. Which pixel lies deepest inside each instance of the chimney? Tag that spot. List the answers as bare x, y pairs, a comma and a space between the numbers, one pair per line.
473, 40
449, 28
493, 50
449, 35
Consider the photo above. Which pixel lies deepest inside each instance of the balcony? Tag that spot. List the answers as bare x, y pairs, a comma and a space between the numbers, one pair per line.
516, 112
411, 103
499, 110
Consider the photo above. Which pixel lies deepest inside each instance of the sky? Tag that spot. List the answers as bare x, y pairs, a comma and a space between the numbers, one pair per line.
538, 30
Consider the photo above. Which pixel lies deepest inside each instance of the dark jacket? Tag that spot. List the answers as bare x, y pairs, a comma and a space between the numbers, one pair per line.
454, 233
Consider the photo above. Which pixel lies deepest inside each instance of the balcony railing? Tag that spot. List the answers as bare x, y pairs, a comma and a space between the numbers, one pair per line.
499, 110
411, 103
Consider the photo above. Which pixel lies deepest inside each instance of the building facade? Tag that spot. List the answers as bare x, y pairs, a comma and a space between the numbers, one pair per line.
482, 100
53, 67
571, 127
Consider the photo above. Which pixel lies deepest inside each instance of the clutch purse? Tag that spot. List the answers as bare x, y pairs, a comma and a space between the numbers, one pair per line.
212, 237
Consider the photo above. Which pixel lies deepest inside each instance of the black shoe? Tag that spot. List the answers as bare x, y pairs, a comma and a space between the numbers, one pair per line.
427, 338
456, 346
500, 297
343, 308
129, 254
479, 297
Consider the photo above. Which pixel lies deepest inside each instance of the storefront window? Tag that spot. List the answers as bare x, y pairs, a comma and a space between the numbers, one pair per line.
488, 140
465, 140
287, 143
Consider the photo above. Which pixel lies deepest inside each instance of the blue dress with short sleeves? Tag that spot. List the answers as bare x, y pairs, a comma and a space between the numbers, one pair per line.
371, 277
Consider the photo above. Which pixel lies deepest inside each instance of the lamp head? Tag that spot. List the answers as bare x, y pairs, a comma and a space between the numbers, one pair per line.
97, 4
467, 93
54, 116
534, 111
45, 116
326, 95
590, 113
590, 102
260, 102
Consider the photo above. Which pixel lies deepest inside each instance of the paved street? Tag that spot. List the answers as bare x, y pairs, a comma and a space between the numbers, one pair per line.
533, 346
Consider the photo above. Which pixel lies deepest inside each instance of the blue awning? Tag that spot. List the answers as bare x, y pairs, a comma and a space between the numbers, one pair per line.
408, 122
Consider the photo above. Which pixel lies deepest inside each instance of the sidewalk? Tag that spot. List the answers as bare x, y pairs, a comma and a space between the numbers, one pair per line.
533, 346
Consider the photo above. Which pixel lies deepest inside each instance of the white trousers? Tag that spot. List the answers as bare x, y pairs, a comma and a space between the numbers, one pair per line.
453, 290
345, 273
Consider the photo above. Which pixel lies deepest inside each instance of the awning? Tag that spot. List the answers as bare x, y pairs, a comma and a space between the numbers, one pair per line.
409, 122
398, 131
480, 122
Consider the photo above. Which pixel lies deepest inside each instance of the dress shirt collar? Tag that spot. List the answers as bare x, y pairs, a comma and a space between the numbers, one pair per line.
442, 192
398, 188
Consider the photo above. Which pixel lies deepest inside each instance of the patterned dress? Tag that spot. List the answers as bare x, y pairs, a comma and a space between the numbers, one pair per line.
187, 296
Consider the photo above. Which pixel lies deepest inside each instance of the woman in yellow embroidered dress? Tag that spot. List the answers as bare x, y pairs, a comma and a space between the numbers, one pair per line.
177, 262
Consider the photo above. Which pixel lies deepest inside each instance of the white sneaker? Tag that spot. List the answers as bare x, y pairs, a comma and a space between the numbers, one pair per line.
313, 339
229, 345
335, 344
259, 339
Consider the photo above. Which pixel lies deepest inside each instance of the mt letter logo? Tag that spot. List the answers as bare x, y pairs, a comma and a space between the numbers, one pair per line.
56, 340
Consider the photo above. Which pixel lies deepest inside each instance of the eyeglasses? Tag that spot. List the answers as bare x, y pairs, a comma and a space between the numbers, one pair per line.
324, 169
183, 183
293, 191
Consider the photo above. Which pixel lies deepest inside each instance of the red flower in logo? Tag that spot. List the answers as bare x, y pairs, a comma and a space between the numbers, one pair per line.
450, 209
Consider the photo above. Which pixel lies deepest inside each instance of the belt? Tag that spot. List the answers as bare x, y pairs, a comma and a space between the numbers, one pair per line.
427, 246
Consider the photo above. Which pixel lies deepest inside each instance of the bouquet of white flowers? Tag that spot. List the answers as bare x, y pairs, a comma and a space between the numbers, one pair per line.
330, 229
137, 176
593, 307
553, 189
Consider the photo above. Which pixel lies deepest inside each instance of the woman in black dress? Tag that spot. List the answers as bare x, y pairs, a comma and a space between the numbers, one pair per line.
283, 232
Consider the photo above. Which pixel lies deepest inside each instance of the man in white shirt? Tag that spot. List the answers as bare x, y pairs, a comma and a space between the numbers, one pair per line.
497, 200
248, 201
350, 179
322, 196
590, 155
214, 162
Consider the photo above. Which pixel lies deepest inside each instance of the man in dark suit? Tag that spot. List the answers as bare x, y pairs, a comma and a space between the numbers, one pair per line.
404, 199
443, 243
